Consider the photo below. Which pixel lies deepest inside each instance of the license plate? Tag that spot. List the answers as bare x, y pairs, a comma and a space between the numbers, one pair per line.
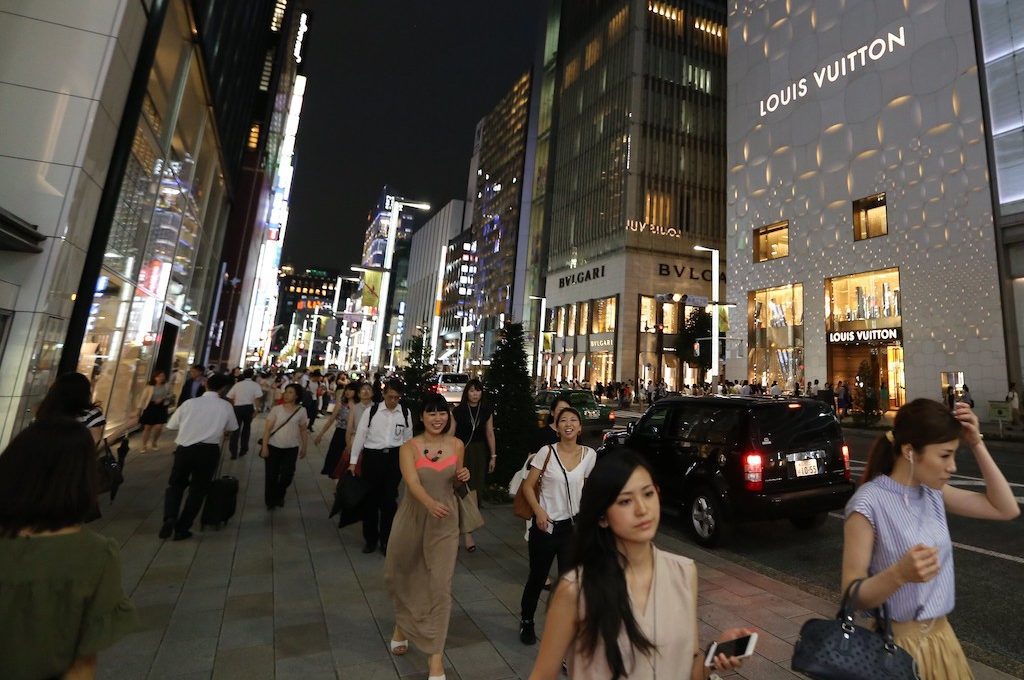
591, 414
806, 468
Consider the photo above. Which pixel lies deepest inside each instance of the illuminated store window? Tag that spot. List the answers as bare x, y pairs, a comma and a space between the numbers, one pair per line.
571, 320
560, 323
861, 301
771, 242
603, 320
584, 317
869, 217
648, 314
775, 342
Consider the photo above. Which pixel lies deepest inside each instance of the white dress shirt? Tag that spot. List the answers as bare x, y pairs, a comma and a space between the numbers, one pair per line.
388, 430
203, 420
245, 393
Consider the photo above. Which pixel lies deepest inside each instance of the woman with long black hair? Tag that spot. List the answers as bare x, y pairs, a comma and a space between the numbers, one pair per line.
896, 539
344, 398
474, 427
70, 396
627, 609
562, 469
153, 404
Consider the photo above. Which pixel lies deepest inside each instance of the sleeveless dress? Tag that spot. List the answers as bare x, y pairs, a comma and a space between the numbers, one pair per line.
670, 622
420, 562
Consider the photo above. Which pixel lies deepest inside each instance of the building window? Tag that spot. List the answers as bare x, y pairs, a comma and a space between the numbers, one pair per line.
254, 136
775, 337
869, 219
772, 241
863, 301
603, 320
571, 322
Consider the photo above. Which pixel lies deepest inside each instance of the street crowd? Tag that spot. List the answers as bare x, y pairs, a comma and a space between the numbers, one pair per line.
620, 608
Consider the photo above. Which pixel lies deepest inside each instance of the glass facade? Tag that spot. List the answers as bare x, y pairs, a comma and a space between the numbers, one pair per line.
863, 301
771, 242
160, 260
869, 217
579, 342
775, 343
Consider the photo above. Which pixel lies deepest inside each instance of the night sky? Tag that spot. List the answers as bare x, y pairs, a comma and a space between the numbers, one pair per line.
395, 90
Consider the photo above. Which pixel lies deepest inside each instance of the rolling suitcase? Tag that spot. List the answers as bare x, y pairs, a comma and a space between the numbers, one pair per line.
221, 500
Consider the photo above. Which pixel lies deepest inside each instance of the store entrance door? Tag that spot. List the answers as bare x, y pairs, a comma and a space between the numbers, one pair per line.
168, 341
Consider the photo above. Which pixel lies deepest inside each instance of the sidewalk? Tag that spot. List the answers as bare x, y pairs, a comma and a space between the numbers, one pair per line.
287, 595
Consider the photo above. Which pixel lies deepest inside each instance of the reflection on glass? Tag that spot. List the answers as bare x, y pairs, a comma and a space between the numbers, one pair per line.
134, 206
869, 300
104, 332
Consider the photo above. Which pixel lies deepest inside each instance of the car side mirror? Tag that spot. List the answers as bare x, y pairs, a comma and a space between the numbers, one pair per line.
630, 426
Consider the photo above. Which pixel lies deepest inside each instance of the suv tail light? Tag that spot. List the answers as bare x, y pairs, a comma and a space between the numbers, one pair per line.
753, 471
846, 462
611, 416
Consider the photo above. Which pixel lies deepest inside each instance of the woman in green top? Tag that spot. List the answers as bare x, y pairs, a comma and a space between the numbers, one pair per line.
60, 583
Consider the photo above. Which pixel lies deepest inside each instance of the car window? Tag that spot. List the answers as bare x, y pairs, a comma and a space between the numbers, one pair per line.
454, 378
652, 425
708, 424
581, 399
787, 426
543, 400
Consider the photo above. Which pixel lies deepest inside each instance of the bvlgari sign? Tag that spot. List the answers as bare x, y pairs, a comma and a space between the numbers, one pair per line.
874, 335
841, 68
581, 276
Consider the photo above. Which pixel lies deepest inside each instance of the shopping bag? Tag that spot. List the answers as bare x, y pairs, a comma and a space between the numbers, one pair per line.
470, 518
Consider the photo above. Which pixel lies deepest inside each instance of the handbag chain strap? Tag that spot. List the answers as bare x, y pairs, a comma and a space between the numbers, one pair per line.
881, 613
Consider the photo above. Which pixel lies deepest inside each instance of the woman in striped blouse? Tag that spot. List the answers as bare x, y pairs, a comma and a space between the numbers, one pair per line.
896, 536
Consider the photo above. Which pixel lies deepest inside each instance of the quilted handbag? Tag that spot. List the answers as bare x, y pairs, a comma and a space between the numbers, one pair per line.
838, 649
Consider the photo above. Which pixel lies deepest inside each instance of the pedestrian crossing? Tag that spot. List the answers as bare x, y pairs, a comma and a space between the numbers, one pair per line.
959, 481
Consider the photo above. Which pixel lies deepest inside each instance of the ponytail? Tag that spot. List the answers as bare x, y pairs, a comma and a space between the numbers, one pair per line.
919, 423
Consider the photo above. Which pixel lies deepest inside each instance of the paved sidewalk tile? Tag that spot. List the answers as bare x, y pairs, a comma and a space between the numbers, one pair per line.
285, 594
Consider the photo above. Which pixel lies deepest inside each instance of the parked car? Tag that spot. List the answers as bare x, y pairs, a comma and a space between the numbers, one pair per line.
596, 417
731, 459
450, 386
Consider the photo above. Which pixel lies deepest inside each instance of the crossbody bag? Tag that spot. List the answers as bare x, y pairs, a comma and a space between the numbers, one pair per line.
260, 441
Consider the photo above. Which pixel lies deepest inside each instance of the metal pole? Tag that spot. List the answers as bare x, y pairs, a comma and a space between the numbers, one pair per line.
540, 338
385, 283
715, 361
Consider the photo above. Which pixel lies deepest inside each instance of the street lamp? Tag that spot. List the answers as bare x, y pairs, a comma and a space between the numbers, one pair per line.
540, 335
715, 302
397, 205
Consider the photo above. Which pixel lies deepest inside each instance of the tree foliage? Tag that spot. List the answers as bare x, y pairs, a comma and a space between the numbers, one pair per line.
418, 372
507, 385
695, 327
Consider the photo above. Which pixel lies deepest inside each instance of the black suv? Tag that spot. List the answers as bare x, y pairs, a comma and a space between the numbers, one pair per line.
734, 459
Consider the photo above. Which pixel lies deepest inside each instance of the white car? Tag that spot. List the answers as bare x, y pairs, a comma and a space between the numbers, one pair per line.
450, 386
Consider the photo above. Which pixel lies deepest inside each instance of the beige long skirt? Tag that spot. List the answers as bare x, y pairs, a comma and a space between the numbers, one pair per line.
934, 646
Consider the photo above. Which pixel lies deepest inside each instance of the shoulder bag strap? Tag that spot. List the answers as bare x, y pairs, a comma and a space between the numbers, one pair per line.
568, 492
283, 424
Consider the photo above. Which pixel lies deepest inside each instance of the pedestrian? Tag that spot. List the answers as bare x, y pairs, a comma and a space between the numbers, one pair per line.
243, 395
812, 389
474, 427
194, 385
883, 399
343, 402
842, 399
284, 442
60, 583
627, 609
70, 396
381, 430
153, 404
562, 469
745, 389
896, 536
950, 397
965, 396
420, 562
311, 397
201, 424
1013, 399
775, 390
364, 397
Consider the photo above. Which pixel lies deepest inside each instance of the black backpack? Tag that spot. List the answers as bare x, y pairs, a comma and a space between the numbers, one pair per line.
376, 405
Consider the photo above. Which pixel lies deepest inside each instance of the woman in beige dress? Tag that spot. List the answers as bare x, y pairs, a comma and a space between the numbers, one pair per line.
627, 609
424, 541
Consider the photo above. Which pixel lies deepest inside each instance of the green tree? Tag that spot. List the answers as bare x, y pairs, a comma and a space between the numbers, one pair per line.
695, 327
418, 372
507, 385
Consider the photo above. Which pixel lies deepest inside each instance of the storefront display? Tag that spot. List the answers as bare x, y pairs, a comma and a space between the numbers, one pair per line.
776, 338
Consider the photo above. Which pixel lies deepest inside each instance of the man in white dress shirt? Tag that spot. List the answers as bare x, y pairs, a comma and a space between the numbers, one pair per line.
201, 424
243, 394
381, 431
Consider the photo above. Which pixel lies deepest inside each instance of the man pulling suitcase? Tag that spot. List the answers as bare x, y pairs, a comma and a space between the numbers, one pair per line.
201, 423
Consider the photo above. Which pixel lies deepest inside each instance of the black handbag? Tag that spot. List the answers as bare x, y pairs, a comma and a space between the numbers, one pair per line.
349, 495
108, 470
838, 649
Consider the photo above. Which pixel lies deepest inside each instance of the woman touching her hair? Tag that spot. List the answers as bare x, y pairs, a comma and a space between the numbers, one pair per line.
627, 609
896, 539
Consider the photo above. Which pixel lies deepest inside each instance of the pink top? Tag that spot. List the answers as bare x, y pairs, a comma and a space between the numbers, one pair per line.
441, 464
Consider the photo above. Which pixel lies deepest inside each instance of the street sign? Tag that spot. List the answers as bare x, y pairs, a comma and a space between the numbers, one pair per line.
696, 301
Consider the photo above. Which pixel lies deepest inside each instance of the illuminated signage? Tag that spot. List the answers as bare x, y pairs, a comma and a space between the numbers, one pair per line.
872, 335
580, 277
653, 229
691, 273
830, 73
303, 27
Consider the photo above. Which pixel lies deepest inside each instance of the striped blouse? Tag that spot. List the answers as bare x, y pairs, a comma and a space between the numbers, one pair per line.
902, 517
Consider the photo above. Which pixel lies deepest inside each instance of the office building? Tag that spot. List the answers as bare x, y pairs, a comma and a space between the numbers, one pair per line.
859, 193
458, 306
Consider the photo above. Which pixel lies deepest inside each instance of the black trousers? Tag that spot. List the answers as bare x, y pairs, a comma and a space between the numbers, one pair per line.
280, 471
193, 469
382, 475
311, 411
240, 437
543, 549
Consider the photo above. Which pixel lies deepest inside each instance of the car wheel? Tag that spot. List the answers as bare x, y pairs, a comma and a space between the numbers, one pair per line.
808, 522
705, 516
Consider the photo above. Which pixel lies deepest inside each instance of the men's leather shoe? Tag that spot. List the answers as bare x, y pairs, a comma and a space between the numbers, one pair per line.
369, 548
527, 635
182, 535
166, 530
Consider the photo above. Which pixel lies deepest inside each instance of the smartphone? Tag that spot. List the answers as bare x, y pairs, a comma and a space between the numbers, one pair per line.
740, 647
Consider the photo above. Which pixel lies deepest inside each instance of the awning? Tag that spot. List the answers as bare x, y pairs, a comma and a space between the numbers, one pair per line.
18, 235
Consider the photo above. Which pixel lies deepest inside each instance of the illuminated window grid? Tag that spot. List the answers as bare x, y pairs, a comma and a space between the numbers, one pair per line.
771, 242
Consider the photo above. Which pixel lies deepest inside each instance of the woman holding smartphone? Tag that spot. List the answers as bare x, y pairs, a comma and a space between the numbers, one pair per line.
562, 469
896, 537
627, 609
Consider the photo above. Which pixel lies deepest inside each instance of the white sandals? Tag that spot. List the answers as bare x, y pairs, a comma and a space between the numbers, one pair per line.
399, 647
